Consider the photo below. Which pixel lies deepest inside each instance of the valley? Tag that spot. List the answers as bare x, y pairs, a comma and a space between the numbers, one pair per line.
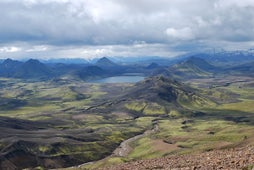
194, 130
57, 117
126, 85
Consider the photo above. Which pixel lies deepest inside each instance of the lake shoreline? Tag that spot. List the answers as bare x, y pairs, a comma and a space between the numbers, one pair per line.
127, 78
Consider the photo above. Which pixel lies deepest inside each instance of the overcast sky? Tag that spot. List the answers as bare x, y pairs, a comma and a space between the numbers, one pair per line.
96, 28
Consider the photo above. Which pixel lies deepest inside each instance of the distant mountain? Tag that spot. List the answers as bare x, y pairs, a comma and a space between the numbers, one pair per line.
200, 63
219, 57
206, 66
105, 62
153, 66
146, 60
91, 72
66, 61
60, 69
242, 69
191, 68
112, 68
8, 67
33, 69
10, 64
228, 58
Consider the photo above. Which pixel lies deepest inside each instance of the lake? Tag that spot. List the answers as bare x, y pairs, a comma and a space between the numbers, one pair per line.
120, 79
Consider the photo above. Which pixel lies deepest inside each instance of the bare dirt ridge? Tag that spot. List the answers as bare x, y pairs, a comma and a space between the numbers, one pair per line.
228, 159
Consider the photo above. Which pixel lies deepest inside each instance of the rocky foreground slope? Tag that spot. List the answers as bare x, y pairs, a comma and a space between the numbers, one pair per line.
229, 159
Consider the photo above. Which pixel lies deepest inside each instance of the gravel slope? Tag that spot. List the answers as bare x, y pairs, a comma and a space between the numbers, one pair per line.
230, 159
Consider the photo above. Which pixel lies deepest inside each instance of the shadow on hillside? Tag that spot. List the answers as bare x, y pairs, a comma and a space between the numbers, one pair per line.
228, 115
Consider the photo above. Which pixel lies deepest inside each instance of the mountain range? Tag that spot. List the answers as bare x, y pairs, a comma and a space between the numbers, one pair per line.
200, 65
64, 122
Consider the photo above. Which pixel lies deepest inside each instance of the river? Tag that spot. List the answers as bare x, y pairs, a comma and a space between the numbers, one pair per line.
124, 148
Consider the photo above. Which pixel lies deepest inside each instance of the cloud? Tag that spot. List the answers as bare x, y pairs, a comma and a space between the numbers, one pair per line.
37, 48
181, 34
232, 3
9, 49
139, 49
188, 25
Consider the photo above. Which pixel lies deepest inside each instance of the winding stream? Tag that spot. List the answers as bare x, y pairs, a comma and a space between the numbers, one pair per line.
124, 148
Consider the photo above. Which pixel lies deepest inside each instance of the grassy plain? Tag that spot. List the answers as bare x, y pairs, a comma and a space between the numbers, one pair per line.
228, 122
82, 122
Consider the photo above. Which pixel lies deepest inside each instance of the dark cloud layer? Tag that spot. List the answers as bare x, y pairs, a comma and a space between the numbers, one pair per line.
94, 28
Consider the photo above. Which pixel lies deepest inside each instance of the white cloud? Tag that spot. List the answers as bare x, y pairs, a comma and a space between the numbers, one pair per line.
231, 3
36, 25
181, 34
37, 48
90, 51
10, 49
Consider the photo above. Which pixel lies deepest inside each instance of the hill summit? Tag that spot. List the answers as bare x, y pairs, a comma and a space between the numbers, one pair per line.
160, 88
194, 67
160, 95
105, 62
33, 69
200, 63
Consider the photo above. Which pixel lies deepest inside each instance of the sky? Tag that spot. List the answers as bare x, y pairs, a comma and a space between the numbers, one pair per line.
95, 28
